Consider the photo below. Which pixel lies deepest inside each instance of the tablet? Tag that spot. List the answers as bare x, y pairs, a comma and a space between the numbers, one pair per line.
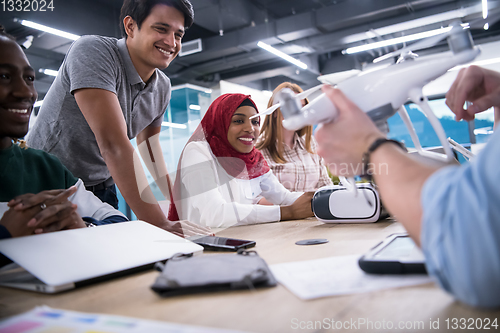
397, 254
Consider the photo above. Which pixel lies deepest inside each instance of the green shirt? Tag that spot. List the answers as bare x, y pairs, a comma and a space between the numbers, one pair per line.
31, 171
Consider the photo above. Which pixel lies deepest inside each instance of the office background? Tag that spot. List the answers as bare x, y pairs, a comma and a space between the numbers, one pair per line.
220, 52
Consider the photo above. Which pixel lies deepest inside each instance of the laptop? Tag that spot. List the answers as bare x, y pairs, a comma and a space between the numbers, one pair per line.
64, 260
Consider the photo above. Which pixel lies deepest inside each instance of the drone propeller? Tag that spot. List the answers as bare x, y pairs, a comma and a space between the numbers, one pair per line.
493, 17
308, 92
334, 78
299, 96
268, 111
423, 44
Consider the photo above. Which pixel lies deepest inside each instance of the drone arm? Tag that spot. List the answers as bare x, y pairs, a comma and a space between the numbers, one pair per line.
350, 184
320, 110
308, 92
409, 125
268, 111
418, 98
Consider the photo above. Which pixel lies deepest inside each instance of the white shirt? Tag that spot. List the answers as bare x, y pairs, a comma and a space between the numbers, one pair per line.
88, 204
211, 197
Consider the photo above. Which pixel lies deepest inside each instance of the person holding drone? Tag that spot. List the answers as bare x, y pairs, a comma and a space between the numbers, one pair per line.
452, 212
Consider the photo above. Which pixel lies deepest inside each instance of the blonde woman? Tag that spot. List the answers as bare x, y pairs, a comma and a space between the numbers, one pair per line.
291, 155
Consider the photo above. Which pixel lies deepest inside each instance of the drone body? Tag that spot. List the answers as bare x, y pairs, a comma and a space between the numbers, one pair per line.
381, 93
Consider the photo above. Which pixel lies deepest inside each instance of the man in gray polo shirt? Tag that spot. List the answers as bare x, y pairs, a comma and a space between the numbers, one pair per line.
109, 91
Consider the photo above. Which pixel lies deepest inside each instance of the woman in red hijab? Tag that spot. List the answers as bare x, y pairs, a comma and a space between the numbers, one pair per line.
221, 176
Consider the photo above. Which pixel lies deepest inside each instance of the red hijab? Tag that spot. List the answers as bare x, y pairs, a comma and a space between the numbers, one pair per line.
213, 129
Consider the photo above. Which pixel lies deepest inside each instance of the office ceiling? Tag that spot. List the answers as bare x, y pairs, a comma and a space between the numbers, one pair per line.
313, 31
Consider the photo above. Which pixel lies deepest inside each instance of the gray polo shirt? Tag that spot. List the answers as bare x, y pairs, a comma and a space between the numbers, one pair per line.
102, 63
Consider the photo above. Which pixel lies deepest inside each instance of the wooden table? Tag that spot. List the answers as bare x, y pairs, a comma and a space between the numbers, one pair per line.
266, 310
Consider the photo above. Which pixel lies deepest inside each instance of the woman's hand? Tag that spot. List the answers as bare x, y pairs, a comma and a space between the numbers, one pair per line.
300, 209
342, 142
186, 229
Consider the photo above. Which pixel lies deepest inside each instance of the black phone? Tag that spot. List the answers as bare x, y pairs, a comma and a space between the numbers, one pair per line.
214, 243
397, 254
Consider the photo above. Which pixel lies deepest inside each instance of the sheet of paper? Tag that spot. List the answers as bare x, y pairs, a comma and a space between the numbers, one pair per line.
337, 276
44, 320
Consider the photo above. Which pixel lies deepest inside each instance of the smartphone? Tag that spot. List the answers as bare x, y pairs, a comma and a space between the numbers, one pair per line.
214, 243
397, 254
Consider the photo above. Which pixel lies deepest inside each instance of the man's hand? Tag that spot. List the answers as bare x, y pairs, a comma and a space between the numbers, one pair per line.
342, 142
45, 211
477, 85
186, 229
16, 221
30, 200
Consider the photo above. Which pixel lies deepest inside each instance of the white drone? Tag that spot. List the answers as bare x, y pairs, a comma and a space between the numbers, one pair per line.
381, 93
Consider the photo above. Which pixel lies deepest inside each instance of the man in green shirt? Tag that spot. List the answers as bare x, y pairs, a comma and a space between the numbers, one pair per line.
37, 193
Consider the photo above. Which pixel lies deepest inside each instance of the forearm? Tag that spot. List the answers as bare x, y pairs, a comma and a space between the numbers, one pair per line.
400, 180
286, 213
152, 155
275, 192
216, 210
133, 184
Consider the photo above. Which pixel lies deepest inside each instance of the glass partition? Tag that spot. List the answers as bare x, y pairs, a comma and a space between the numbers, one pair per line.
481, 127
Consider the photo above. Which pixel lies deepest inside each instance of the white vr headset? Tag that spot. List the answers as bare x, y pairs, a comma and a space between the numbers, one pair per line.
337, 204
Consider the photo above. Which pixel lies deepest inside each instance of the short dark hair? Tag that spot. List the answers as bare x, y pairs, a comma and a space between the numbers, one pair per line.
4, 34
140, 9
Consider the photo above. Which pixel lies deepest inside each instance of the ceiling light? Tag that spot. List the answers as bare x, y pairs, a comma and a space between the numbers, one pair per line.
485, 8
195, 107
412, 24
50, 72
173, 125
486, 26
397, 40
47, 29
285, 56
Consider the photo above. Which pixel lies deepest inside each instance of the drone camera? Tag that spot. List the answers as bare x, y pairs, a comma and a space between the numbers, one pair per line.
290, 106
460, 41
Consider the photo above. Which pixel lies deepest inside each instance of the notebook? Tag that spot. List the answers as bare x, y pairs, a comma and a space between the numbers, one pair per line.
64, 260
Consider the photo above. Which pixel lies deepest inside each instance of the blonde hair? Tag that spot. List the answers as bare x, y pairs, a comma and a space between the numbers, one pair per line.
271, 137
